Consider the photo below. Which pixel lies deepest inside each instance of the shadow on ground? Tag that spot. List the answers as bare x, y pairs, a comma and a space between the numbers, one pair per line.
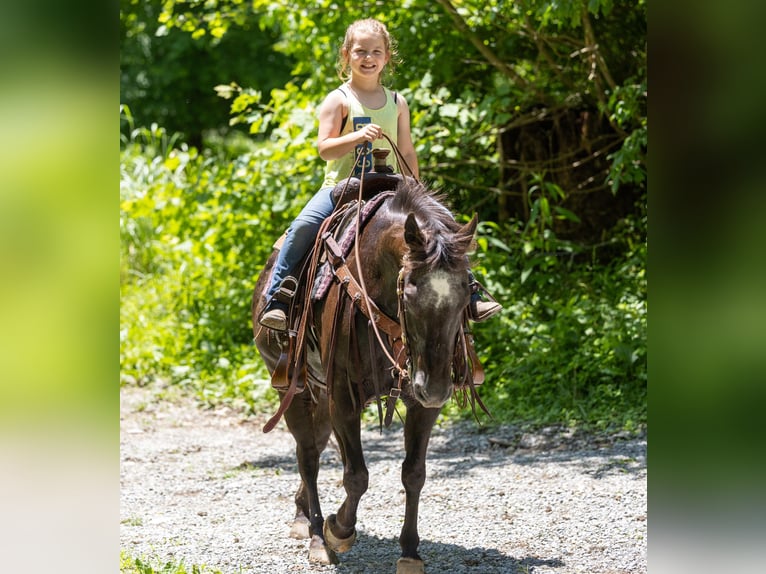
374, 555
464, 446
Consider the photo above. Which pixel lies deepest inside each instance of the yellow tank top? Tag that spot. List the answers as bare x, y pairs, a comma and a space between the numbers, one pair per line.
386, 117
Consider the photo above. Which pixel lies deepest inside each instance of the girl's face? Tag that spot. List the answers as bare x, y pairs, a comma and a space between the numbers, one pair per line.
367, 55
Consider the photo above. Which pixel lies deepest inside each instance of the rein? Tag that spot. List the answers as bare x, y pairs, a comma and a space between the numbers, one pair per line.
400, 367
398, 334
357, 291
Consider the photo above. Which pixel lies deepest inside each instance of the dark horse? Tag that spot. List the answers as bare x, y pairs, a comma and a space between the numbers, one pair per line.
414, 264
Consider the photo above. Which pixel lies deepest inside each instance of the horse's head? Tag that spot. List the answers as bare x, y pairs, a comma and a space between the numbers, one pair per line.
434, 292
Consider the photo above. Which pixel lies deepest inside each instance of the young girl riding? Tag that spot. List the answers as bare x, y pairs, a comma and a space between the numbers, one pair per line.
352, 116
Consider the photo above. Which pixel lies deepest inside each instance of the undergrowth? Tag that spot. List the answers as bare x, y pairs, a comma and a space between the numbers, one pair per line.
135, 565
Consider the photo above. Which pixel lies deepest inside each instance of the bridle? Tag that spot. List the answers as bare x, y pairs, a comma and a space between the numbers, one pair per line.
397, 331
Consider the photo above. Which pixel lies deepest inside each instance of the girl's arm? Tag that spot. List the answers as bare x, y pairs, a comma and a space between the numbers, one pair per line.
330, 143
404, 139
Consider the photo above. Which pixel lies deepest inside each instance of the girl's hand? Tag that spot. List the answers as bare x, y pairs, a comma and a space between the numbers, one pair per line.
370, 133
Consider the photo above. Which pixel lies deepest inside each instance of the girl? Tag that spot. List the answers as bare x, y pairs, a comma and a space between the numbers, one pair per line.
356, 113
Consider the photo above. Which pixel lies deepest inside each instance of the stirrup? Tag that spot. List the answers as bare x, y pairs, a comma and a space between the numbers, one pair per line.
287, 290
284, 295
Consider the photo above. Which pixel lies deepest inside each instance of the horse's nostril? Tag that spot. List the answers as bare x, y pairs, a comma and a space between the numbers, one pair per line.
429, 399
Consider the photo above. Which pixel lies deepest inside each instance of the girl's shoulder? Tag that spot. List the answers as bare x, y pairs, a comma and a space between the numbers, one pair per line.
335, 99
393, 94
339, 94
343, 92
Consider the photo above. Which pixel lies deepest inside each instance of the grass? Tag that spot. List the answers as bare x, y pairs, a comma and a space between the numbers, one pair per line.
134, 565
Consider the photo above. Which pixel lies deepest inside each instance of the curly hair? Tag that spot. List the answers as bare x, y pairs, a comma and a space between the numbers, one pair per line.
370, 26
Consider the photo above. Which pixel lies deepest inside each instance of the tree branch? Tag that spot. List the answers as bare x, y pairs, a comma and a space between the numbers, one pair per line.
485, 51
536, 38
597, 61
590, 41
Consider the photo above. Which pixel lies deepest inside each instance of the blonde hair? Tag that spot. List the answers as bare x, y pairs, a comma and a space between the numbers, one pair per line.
371, 26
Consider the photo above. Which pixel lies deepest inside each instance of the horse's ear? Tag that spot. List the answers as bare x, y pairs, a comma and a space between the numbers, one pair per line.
464, 238
470, 227
412, 234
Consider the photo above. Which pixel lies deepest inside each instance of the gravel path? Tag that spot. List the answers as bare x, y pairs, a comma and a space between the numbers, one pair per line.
209, 488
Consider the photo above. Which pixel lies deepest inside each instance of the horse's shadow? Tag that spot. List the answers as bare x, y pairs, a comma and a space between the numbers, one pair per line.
456, 445
374, 555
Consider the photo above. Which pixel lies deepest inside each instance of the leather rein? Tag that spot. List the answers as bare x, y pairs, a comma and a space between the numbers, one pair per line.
401, 365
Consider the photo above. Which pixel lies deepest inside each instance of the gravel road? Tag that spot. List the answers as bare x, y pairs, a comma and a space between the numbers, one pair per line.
208, 487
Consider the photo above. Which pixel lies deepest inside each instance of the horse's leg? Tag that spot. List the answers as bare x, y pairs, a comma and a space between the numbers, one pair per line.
300, 527
301, 421
417, 432
322, 431
340, 528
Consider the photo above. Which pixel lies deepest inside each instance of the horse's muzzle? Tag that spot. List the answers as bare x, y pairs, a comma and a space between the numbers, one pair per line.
431, 396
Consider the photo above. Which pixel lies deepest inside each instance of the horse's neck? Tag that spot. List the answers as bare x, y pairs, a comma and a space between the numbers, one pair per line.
381, 254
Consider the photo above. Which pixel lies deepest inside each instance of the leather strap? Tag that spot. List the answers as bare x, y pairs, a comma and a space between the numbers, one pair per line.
280, 376
375, 377
368, 308
283, 406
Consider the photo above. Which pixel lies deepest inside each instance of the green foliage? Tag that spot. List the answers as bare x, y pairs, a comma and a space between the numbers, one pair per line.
570, 345
168, 73
132, 565
195, 230
470, 73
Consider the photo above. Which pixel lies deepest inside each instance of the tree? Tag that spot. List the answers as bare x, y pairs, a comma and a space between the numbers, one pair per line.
168, 73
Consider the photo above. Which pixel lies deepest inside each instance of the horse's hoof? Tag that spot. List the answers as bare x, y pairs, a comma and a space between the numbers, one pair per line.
300, 528
409, 566
338, 544
321, 553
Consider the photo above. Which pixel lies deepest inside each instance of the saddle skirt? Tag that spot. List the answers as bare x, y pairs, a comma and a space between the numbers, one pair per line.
345, 234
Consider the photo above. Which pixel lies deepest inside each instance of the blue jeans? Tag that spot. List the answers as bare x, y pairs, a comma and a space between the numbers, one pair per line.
300, 237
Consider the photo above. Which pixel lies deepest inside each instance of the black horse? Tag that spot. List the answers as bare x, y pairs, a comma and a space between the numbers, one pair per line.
412, 257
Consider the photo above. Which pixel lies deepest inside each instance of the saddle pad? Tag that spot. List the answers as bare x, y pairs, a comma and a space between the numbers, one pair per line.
345, 236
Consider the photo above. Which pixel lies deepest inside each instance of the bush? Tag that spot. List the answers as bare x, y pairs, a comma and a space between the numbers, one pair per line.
570, 346
195, 231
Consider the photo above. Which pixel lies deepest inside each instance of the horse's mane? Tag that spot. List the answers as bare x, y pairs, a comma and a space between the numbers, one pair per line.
445, 246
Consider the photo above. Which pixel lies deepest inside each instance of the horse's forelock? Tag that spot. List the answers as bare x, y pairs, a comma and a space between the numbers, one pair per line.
446, 245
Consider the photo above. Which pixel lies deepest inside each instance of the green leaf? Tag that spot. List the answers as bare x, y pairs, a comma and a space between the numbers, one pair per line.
564, 213
449, 110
